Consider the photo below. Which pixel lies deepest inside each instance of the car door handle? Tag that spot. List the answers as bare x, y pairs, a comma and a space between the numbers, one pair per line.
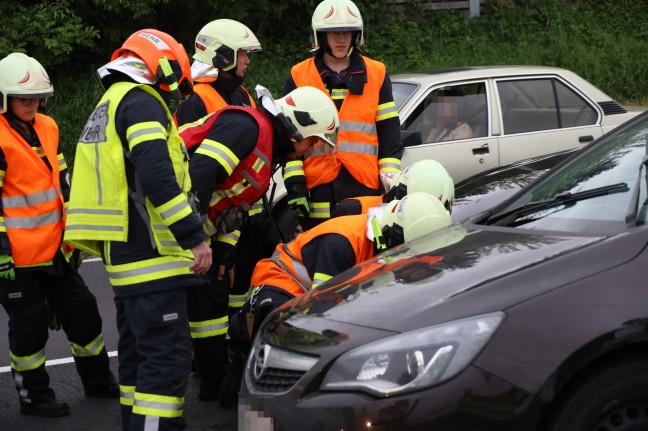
586, 138
481, 150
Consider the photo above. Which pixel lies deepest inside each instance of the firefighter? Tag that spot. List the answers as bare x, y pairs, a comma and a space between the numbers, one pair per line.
369, 145
220, 64
423, 176
236, 149
130, 204
33, 269
319, 254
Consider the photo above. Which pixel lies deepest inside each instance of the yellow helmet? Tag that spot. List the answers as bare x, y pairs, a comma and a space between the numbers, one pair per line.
425, 176
337, 15
219, 41
411, 217
23, 77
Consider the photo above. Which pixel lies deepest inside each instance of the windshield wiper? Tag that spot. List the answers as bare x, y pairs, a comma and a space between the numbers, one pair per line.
558, 199
631, 215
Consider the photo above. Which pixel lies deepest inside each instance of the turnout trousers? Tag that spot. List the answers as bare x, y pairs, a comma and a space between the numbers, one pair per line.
25, 299
154, 359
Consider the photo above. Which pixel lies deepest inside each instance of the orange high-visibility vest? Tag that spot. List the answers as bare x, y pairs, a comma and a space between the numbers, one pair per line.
32, 203
285, 268
357, 145
212, 100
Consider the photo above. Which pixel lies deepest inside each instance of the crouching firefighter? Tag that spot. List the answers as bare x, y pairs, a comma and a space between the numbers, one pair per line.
319, 254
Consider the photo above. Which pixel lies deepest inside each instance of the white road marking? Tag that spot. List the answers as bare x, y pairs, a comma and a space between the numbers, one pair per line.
55, 362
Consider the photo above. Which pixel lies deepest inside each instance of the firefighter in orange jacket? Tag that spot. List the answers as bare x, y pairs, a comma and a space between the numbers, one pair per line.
33, 270
369, 145
220, 64
321, 253
426, 175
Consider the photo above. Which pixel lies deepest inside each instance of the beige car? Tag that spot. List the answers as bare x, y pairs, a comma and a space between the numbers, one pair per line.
476, 118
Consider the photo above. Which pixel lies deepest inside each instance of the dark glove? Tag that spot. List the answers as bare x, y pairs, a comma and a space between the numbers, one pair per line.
7, 267
300, 206
223, 253
296, 189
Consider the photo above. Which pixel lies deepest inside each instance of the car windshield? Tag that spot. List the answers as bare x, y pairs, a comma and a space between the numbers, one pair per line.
402, 91
602, 190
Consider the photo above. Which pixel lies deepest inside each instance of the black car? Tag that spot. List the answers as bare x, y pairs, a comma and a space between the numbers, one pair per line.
532, 315
486, 189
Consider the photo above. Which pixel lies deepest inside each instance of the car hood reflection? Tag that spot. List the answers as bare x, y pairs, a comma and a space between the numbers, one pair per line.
418, 282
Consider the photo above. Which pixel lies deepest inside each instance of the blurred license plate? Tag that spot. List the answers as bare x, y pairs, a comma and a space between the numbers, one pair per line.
252, 420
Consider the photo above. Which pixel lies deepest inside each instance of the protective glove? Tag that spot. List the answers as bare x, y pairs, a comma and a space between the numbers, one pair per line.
7, 267
223, 253
300, 206
296, 189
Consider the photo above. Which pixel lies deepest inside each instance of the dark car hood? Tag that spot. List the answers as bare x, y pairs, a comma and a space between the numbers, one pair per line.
420, 284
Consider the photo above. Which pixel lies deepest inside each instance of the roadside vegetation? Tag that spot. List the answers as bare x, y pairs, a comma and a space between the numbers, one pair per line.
605, 41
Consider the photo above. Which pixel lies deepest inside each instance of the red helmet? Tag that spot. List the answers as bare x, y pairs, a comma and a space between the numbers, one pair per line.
165, 57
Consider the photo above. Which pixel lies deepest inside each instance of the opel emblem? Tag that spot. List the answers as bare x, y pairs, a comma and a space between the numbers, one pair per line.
261, 361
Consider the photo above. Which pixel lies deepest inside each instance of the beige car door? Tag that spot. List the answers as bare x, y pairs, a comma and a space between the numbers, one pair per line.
453, 123
541, 115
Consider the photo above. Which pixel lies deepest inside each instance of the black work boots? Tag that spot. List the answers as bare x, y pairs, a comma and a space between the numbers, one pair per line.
49, 409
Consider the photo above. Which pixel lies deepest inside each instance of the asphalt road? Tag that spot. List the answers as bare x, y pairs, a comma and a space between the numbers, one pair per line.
87, 413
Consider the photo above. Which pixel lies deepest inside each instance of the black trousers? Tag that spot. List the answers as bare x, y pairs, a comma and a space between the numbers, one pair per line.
24, 300
154, 357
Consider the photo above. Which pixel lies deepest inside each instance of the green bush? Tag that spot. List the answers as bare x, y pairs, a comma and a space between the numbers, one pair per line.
605, 41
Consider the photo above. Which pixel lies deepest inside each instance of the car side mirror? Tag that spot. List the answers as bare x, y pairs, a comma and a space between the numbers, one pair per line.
411, 138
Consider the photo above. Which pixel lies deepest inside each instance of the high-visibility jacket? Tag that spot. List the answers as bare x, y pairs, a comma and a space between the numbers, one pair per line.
251, 176
357, 145
369, 202
32, 203
285, 268
212, 99
99, 198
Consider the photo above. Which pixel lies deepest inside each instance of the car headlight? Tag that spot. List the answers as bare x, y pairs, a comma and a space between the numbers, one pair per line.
414, 360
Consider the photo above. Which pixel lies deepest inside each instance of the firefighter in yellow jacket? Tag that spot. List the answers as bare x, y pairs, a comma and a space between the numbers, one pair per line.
319, 254
369, 144
130, 204
33, 270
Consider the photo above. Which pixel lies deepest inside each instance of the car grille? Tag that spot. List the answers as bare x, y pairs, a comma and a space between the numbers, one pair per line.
272, 370
274, 380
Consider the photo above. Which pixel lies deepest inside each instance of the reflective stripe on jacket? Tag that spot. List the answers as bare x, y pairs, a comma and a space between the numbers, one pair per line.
99, 198
357, 145
285, 268
32, 203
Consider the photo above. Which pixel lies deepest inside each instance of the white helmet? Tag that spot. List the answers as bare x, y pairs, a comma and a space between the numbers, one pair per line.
219, 41
411, 217
23, 77
309, 112
337, 15
425, 176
